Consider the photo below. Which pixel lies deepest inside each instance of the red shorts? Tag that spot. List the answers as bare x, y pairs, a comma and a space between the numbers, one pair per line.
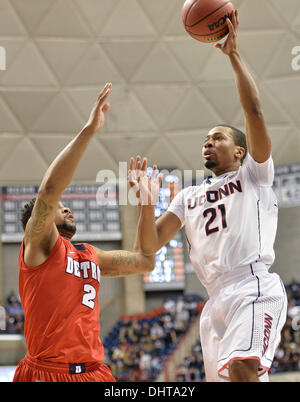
34, 370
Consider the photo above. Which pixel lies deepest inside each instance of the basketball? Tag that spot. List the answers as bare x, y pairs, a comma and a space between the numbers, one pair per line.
205, 20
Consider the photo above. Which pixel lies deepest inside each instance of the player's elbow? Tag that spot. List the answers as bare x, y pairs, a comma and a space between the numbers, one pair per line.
49, 192
149, 263
255, 109
47, 188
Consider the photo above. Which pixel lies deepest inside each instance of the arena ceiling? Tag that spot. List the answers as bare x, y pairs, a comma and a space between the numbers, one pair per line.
168, 89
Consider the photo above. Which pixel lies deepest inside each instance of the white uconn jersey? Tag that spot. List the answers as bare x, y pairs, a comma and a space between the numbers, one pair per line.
230, 220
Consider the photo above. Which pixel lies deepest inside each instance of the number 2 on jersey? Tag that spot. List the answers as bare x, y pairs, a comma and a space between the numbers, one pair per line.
213, 215
89, 296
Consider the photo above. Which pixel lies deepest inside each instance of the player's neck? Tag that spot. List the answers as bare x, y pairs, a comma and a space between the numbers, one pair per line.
65, 234
217, 173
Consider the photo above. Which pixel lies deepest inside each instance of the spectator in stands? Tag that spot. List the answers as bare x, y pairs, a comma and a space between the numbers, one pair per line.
124, 331
118, 352
14, 314
156, 366
182, 373
183, 316
148, 345
294, 287
135, 353
180, 304
14, 308
179, 327
137, 331
129, 360
125, 360
120, 368
145, 332
194, 368
168, 327
181, 311
170, 306
288, 353
191, 306
12, 297
156, 332
145, 365
19, 322
159, 346
293, 309
129, 334
277, 365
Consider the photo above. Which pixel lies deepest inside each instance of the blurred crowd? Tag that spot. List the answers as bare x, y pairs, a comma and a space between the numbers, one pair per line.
287, 356
12, 322
143, 344
137, 348
192, 369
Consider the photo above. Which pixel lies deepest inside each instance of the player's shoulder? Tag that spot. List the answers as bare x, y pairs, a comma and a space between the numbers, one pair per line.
81, 246
83, 250
261, 174
250, 161
75, 246
190, 191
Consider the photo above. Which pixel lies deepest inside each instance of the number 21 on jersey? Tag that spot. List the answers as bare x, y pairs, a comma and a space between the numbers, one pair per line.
214, 214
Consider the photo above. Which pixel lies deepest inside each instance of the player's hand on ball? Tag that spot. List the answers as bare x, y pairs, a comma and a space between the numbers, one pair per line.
146, 188
97, 116
230, 45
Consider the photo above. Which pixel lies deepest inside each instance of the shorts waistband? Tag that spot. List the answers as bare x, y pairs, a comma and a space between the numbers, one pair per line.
64, 368
238, 273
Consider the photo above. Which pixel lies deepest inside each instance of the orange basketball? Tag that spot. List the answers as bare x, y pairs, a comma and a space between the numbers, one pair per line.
205, 20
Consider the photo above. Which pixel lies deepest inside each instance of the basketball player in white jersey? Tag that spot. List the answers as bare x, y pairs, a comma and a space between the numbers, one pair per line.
230, 222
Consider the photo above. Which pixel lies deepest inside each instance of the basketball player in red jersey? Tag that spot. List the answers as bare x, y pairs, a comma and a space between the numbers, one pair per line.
59, 281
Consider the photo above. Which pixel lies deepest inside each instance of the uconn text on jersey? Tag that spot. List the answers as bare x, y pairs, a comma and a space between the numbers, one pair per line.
215, 195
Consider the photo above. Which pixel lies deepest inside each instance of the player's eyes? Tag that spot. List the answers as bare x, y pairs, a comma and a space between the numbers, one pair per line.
219, 138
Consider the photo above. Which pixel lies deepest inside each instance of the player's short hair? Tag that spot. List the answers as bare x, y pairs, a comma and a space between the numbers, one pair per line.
239, 138
26, 212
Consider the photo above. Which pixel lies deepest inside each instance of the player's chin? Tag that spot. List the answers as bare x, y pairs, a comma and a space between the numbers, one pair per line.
72, 228
69, 227
209, 164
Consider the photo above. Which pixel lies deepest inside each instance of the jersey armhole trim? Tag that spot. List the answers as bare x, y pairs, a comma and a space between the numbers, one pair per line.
177, 215
53, 251
256, 164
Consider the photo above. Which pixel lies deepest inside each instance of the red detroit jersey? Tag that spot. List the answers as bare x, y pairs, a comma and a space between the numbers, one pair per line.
60, 302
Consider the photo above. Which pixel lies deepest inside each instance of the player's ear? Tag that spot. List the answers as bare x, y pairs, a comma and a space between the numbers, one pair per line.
239, 153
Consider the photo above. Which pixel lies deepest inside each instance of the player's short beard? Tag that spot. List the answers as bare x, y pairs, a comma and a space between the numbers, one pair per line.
67, 229
210, 165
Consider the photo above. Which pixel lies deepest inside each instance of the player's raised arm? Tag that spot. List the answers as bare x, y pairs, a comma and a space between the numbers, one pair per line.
41, 232
151, 234
122, 263
258, 139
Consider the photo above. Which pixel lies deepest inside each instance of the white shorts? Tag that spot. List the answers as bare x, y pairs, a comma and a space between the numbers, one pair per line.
242, 319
